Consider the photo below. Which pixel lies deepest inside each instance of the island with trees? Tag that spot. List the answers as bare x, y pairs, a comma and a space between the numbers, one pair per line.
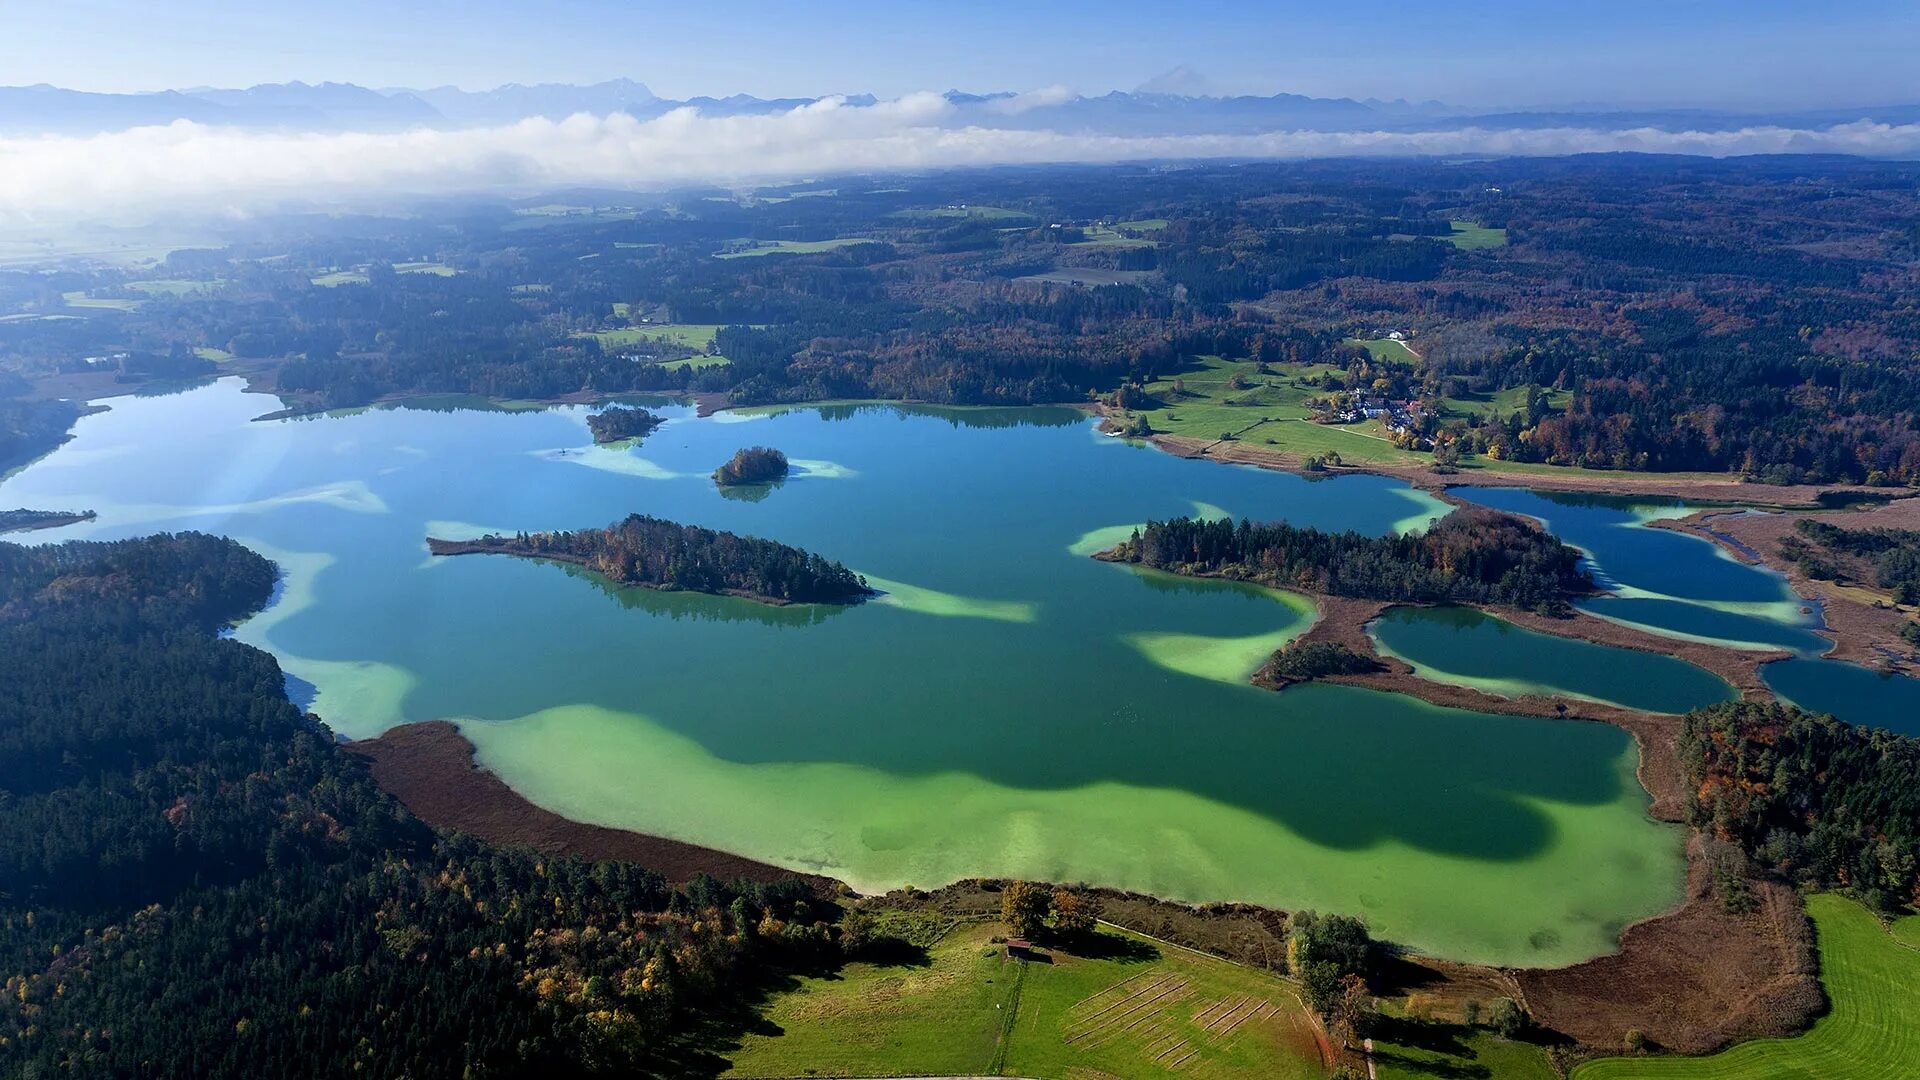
753, 465
618, 423
657, 554
1471, 556
24, 520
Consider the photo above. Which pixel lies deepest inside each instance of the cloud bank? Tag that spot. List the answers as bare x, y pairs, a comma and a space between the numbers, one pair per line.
190, 168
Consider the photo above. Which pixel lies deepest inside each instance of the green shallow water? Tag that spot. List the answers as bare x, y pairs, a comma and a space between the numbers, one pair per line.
1469, 648
1008, 707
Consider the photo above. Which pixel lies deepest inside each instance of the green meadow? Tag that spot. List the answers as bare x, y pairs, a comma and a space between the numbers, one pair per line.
1872, 978
691, 335
1501, 403
1470, 237
1128, 1007
79, 299
1267, 410
1386, 350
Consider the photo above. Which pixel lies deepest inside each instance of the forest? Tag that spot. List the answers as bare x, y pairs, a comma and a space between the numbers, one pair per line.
1472, 556
1640, 313
1815, 800
1887, 558
199, 882
652, 552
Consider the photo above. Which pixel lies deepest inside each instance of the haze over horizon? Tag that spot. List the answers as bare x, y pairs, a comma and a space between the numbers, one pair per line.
1497, 54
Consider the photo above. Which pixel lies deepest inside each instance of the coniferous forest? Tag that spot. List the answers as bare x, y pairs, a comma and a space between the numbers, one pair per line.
196, 881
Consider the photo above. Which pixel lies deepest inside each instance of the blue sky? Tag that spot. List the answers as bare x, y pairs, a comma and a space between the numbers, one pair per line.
1759, 53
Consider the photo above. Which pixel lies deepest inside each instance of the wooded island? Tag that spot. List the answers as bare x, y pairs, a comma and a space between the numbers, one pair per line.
659, 554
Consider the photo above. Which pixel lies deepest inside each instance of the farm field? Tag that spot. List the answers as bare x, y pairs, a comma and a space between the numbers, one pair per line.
340, 277
434, 268
792, 247
1135, 1009
208, 352
691, 335
1872, 977
1470, 237
695, 362
1102, 236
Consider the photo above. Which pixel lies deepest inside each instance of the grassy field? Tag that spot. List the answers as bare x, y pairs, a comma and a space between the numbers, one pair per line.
791, 247
1386, 350
1470, 237
1101, 236
434, 268
1272, 411
79, 299
340, 277
1143, 224
989, 213
1511, 400
691, 335
1873, 1031
695, 362
1412, 1050
208, 352
1131, 1008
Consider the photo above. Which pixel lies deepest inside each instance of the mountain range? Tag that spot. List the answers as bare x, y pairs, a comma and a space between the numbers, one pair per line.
330, 106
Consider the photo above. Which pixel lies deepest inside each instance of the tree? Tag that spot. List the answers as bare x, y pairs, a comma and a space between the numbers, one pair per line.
1507, 1018
1353, 1011
1074, 912
1024, 906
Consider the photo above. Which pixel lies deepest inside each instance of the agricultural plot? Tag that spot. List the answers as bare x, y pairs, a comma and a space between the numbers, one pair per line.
1386, 350
1103, 236
79, 299
434, 268
340, 277
1265, 410
1133, 1009
691, 335
1872, 977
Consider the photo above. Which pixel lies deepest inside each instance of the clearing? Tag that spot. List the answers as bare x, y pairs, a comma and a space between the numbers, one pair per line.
1265, 410
1502, 403
1470, 237
790, 247
960, 1007
1387, 350
1873, 1031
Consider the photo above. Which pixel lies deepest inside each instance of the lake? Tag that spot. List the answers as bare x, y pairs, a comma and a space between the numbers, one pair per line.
1009, 707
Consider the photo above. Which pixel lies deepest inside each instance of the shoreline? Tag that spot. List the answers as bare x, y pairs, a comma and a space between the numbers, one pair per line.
1862, 633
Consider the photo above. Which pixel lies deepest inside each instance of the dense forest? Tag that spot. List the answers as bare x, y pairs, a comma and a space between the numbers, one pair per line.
649, 551
753, 465
1470, 556
196, 881
1636, 312
617, 422
1809, 797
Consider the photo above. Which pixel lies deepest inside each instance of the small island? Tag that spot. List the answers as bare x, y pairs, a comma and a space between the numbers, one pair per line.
1471, 556
658, 554
24, 520
754, 465
617, 423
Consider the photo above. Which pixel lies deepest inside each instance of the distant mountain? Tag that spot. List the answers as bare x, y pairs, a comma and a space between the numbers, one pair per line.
344, 106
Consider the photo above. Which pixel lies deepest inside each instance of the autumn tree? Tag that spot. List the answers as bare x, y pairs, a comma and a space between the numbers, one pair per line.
1074, 912
1024, 907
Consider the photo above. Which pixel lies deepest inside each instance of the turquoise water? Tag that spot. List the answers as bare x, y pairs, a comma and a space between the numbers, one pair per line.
1466, 647
1853, 693
1010, 707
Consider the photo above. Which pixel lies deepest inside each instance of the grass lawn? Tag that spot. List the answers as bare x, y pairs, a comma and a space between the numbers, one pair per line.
1873, 981
1470, 237
434, 268
1386, 350
208, 352
1131, 1008
792, 247
79, 299
1143, 224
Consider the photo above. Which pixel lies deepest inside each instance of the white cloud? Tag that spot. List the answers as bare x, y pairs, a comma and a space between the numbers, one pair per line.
186, 167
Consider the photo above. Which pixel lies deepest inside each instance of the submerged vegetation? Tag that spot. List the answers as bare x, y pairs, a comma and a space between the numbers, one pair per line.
753, 465
649, 551
617, 422
1469, 556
